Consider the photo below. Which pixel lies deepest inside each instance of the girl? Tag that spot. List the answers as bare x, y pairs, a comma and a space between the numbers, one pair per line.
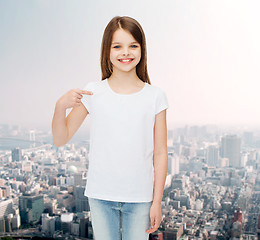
128, 136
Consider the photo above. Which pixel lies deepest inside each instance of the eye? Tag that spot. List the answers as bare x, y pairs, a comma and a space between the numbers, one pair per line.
134, 46
116, 46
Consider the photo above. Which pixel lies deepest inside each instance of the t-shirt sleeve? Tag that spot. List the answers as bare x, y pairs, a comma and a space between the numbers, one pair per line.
86, 99
161, 101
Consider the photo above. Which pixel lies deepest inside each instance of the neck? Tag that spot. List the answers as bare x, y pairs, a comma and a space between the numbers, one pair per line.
124, 78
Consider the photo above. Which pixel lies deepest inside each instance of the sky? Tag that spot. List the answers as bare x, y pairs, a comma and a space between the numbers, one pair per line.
204, 54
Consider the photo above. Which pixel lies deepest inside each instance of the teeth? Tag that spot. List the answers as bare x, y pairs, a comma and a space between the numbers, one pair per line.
126, 60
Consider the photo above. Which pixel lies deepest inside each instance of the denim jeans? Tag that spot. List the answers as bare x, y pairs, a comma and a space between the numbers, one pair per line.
119, 220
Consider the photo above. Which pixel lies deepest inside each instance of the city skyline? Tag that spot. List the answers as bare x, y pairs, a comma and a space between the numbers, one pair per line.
211, 189
204, 55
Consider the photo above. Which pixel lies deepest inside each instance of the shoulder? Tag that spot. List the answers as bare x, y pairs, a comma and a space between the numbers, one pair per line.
156, 90
160, 99
93, 85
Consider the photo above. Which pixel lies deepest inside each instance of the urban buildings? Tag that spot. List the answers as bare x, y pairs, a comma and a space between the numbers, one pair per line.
31, 208
230, 148
212, 189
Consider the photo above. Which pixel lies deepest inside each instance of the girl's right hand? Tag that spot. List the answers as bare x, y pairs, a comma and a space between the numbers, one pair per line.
72, 98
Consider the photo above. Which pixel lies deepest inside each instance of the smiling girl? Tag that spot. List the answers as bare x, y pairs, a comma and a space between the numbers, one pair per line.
128, 136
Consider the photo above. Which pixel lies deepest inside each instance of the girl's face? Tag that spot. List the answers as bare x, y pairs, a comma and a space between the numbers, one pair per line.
125, 52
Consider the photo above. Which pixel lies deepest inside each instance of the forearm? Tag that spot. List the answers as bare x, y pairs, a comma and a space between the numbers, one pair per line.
160, 174
59, 128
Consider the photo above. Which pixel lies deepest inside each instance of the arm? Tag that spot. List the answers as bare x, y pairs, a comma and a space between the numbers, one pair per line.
63, 128
160, 162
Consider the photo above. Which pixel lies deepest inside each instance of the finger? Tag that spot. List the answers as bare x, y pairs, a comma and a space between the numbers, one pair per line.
152, 229
152, 225
152, 221
80, 91
156, 226
77, 95
86, 92
77, 90
155, 223
77, 104
76, 99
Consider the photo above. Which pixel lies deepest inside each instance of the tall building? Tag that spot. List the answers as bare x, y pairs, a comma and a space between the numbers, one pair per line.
5, 224
6, 207
16, 155
80, 179
156, 235
83, 227
238, 216
258, 227
178, 183
31, 208
48, 224
16, 220
173, 233
2, 225
173, 163
5, 191
230, 148
9, 216
8, 223
213, 156
32, 138
66, 222
80, 199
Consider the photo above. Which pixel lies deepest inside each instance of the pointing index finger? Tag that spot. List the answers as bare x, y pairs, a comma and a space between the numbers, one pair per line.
86, 92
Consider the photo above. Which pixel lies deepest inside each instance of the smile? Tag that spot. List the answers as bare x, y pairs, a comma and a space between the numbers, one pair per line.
126, 60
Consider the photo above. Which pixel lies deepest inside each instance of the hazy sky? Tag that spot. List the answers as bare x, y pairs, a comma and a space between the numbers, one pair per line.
204, 54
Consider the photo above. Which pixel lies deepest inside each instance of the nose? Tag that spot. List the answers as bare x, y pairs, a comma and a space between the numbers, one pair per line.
125, 51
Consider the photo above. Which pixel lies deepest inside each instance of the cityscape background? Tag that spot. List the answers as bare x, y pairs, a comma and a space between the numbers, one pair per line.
212, 189
204, 54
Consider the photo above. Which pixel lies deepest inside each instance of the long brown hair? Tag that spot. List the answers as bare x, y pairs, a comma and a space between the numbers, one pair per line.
131, 25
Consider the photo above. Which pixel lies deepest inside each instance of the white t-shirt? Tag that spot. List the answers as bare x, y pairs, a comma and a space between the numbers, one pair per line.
122, 141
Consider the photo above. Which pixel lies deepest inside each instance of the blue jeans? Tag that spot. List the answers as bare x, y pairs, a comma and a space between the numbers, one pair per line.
119, 220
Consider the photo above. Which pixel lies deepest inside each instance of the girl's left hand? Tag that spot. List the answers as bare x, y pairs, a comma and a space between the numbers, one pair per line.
155, 217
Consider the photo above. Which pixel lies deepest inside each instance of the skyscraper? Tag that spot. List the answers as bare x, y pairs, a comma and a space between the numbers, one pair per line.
9, 216
16, 155
173, 163
212, 156
80, 199
31, 208
230, 148
6, 207
32, 138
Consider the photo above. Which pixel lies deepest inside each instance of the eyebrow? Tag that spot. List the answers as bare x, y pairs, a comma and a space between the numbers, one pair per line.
120, 43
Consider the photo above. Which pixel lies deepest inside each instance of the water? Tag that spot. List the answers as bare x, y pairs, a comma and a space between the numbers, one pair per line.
9, 144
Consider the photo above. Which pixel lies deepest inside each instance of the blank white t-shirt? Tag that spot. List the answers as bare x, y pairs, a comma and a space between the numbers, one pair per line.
121, 142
